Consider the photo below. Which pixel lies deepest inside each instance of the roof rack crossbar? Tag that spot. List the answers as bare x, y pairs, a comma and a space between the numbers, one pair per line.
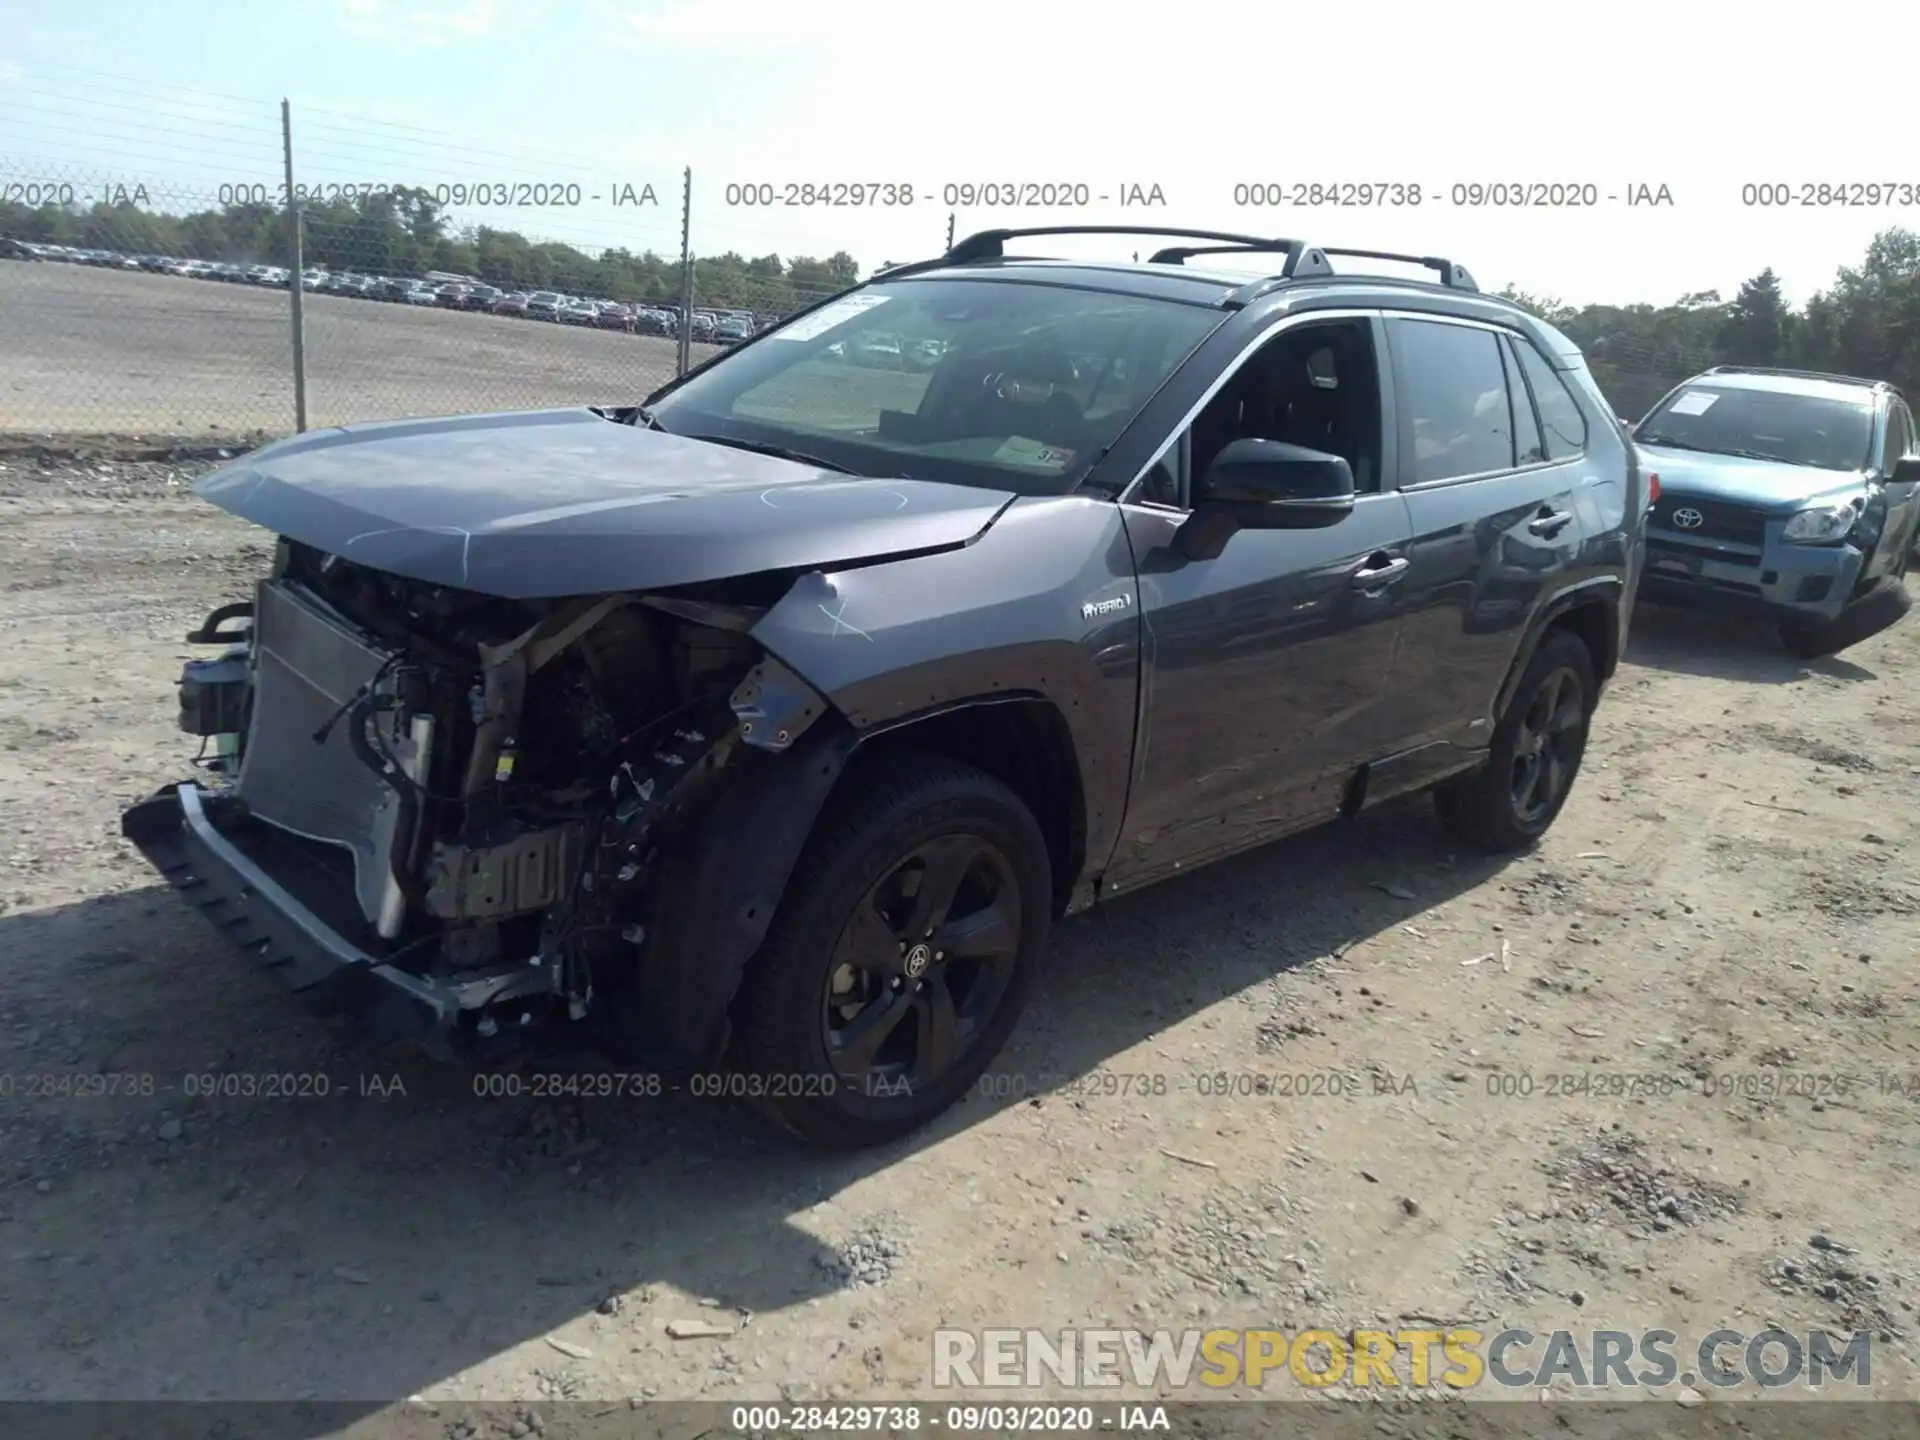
1795, 374
991, 244
1180, 254
1303, 261
1453, 276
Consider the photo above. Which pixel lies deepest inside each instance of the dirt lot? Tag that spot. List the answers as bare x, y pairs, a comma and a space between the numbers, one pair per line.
85, 350
1722, 921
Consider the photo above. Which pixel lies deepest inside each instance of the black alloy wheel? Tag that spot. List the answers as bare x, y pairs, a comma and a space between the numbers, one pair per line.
901, 956
921, 966
1508, 803
1547, 745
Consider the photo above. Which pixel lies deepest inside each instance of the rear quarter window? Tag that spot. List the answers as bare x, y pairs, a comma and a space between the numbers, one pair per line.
1563, 425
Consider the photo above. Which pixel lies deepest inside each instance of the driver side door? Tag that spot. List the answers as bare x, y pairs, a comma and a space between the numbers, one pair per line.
1265, 670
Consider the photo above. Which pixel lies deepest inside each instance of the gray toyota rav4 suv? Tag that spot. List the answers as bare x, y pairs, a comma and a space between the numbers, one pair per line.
769, 725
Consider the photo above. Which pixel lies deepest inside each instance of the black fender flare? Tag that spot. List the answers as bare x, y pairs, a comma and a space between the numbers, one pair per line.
717, 893
724, 879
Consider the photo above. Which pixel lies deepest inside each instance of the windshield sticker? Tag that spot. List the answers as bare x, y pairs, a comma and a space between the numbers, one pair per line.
1694, 402
828, 316
1018, 450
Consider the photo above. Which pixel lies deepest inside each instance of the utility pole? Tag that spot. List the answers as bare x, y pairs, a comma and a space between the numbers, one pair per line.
949, 229
293, 280
686, 274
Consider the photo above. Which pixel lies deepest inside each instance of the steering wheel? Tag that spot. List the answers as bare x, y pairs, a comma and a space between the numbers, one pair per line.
1007, 386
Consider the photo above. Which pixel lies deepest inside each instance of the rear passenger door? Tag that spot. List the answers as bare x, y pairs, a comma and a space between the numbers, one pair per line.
1490, 458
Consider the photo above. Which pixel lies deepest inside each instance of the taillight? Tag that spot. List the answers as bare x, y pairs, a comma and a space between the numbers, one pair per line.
1653, 490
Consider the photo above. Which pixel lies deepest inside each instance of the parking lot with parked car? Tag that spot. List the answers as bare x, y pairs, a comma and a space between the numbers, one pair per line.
1212, 1073
1652, 1062
649, 317
213, 359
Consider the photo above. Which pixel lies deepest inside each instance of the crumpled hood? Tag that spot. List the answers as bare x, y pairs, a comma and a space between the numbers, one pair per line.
545, 503
1736, 480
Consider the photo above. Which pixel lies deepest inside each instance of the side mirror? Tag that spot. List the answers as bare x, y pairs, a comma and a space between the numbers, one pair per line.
1906, 471
1265, 485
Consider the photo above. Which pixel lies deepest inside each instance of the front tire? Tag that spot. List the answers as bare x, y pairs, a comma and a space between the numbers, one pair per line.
902, 955
1508, 803
1881, 605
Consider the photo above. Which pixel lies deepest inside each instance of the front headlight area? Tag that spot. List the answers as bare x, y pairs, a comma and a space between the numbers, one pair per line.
1826, 524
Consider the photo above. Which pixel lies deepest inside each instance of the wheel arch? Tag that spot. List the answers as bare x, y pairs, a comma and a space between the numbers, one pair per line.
730, 873
1591, 613
1025, 742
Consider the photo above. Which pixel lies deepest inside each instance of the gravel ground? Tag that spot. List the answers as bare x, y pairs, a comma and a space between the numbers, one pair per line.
86, 350
1725, 914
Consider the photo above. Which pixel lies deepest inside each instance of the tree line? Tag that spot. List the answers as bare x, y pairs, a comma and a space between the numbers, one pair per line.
404, 232
1867, 322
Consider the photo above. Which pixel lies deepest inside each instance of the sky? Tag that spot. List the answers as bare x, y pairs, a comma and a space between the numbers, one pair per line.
598, 99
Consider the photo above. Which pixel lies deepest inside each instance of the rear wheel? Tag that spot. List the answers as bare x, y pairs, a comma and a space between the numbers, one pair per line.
1535, 754
901, 958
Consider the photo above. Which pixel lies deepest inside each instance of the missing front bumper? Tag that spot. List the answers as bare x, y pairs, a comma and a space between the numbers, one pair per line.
176, 830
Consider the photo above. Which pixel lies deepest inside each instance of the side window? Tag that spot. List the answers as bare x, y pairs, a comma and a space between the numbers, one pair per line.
1451, 386
1560, 417
1527, 444
1315, 385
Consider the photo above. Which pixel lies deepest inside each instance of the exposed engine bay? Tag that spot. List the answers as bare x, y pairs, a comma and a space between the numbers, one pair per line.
477, 793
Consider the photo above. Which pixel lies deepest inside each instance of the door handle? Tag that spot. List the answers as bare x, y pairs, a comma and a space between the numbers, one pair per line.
1380, 570
1549, 522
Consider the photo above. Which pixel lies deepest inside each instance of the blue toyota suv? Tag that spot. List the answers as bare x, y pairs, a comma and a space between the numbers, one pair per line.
1789, 493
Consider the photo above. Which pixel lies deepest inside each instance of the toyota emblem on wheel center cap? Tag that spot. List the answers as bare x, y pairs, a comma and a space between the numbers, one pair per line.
917, 961
1688, 518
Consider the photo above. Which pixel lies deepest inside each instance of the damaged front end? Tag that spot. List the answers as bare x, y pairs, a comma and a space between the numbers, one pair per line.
467, 818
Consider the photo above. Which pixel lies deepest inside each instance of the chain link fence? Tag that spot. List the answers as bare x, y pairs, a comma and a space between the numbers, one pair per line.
245, 273
206, 269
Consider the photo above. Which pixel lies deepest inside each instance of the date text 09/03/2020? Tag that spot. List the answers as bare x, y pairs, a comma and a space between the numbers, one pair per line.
1376, 194
478, 193
881, 194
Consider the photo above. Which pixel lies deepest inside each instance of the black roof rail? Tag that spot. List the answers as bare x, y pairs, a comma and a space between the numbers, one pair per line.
991, 244
1453, 276
1303, 260
1797, 374
1266, 285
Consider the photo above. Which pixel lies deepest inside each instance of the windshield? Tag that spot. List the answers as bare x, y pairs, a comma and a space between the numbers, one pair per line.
1022, 387
1821, 431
